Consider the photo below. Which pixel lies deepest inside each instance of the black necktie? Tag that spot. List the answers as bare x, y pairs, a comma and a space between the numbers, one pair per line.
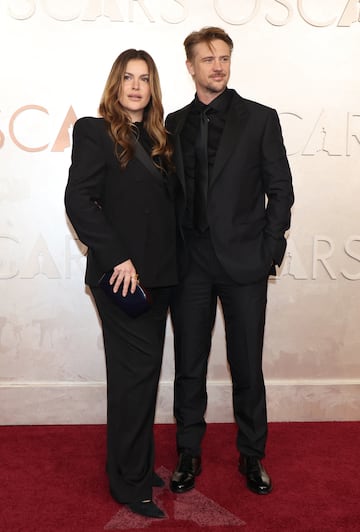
201, 174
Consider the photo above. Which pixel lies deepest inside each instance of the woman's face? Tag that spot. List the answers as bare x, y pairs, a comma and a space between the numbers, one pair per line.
134, 92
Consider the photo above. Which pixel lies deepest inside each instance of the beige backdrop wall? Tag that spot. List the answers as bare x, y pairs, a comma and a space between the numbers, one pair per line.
301, 57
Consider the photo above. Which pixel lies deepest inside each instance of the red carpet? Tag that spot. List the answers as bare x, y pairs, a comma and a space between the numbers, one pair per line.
52, 479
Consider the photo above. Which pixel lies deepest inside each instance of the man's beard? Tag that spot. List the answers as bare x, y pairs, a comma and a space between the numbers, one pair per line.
214, 89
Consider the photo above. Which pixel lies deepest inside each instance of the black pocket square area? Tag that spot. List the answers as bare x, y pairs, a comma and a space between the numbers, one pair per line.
133, 304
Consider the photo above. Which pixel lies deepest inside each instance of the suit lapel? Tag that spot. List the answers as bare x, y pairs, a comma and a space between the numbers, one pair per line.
179, 161
142, 155
233, 130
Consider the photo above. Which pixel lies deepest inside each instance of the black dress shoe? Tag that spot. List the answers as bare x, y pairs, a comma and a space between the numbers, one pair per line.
157, 482
146, 508
187, 469
257, 478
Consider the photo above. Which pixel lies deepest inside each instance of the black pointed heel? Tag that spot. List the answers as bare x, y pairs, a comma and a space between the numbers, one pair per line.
146, 508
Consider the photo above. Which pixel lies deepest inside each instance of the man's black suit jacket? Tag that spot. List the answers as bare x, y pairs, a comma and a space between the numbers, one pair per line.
120, 214
250, 190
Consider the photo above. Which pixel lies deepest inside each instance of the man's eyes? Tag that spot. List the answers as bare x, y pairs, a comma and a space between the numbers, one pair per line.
212, 59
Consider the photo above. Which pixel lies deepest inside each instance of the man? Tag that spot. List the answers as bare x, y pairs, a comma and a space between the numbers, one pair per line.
234, 208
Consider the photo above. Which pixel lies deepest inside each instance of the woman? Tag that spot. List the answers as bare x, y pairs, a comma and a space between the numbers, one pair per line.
119, 200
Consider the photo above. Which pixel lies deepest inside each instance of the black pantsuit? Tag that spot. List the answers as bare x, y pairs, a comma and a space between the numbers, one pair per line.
123, 214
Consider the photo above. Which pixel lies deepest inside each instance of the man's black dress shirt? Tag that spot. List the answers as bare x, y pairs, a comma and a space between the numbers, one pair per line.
216, 112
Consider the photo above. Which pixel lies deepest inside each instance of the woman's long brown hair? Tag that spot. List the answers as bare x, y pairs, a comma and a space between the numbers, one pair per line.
120, 126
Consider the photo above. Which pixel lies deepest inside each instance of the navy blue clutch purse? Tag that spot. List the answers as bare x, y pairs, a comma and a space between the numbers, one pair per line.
133, 304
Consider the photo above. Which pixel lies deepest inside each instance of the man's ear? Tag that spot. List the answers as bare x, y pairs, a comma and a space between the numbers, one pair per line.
190, 67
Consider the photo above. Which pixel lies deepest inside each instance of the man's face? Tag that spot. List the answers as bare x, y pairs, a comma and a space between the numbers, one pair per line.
210, 68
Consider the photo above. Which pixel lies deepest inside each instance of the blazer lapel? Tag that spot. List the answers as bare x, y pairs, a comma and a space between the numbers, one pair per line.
233, 130
179, 161
145, 159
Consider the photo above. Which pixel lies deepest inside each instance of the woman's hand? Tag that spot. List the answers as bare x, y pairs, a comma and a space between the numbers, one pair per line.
126, 273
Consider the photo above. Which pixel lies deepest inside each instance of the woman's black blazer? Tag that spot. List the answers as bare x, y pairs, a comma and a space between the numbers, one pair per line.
120, 214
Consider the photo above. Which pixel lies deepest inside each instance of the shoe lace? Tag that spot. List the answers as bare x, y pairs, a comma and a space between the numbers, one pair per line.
253, 464
186, 463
